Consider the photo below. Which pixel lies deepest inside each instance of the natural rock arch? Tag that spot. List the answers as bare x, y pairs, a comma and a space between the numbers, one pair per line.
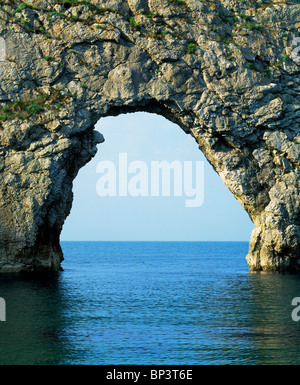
225, 71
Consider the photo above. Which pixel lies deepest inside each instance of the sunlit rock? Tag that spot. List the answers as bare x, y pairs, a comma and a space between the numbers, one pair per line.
224, 71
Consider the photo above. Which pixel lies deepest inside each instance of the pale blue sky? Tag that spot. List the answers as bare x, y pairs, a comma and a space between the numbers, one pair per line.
149, 137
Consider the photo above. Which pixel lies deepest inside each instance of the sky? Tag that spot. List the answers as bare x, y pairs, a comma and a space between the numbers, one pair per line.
105, 209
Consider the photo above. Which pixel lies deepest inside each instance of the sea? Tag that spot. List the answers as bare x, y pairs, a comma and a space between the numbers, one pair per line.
151, 303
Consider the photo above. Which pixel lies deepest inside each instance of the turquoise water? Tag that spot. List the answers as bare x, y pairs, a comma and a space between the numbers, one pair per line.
167, 303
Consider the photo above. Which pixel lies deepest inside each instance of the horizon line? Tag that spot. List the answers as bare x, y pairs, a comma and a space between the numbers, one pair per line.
154, 241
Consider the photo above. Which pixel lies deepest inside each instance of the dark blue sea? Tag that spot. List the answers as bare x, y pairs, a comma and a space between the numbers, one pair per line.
167, 303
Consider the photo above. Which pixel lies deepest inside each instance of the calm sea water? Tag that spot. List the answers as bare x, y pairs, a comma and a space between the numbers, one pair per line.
150, 303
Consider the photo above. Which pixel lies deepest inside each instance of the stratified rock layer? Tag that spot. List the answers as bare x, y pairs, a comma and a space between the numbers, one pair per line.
227, 72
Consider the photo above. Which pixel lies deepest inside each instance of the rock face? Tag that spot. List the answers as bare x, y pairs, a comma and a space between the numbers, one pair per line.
226, 71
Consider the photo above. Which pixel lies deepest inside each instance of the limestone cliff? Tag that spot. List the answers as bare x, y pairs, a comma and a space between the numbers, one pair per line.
226, 71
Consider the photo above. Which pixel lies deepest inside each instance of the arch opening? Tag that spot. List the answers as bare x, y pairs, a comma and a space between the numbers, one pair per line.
146, 138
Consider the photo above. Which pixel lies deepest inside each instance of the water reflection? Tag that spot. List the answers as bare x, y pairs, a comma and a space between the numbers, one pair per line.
277, 336
34, 322
139, 311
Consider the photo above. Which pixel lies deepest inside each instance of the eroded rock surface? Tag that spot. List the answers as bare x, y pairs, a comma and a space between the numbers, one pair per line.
226, 71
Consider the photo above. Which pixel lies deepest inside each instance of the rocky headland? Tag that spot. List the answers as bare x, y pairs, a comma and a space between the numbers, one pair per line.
226, 71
